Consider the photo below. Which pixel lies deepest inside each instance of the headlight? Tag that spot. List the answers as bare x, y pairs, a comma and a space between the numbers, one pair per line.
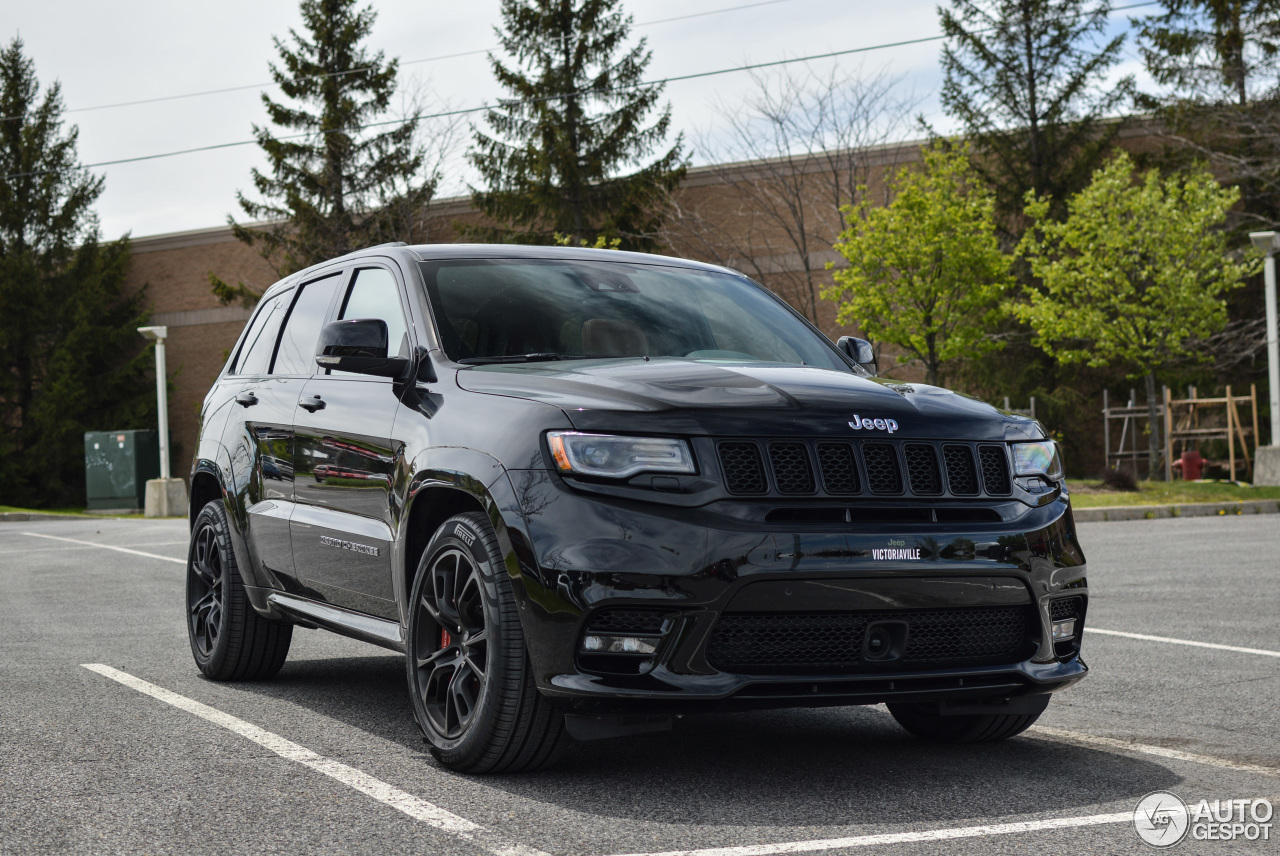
1037, 459
618, 457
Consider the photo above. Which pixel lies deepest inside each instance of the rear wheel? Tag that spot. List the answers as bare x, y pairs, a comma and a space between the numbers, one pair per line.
923, 720
230, 641
469, 675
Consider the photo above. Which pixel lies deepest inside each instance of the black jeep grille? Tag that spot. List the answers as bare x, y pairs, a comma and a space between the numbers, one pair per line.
922, 469
839, 471
961, 476
792, 472
995, 470
783, 642
883, 475
852, 468
743, 472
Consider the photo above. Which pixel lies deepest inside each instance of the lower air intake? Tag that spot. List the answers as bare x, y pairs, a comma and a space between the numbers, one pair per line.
832, 642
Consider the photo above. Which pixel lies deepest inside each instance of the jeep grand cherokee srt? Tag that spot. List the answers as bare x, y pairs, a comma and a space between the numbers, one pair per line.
584, 491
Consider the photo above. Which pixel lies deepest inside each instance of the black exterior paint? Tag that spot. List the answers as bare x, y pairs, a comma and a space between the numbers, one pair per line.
402, 451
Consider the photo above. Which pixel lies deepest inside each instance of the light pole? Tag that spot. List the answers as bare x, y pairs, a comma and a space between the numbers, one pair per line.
1267, 467
158, 335
166, 496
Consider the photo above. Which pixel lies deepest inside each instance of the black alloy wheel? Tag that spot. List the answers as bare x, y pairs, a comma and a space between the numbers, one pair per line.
470, 681
229, 640
453, 676
204, 591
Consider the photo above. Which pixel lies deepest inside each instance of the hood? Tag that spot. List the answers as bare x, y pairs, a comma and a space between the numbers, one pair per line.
673, 396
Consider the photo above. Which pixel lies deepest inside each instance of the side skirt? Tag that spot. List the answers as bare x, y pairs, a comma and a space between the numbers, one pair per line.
366, 628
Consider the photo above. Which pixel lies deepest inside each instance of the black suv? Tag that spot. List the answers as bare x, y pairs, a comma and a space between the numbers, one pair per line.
585, 491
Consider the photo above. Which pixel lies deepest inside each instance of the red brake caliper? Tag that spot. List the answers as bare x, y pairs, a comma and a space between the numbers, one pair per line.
445, 638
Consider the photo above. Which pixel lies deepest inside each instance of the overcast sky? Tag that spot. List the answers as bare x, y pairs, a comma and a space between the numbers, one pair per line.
129, 50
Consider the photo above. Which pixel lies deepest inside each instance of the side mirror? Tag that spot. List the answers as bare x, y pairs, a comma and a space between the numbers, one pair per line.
860, 351
359, 346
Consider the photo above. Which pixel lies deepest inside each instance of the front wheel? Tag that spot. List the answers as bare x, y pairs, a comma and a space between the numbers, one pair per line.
230, 641
470, 680
923, 720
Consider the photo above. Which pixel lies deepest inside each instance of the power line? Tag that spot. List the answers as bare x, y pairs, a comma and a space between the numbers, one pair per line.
467, 110
224, 90
484, 107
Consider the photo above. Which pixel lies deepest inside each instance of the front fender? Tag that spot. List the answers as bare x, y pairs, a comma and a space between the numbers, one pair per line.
453, 468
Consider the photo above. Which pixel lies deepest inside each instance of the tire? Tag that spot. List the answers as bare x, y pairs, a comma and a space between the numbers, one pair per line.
230, 641
470, 679
924, 721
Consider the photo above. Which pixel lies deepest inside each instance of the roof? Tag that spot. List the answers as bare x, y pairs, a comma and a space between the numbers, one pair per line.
427, 252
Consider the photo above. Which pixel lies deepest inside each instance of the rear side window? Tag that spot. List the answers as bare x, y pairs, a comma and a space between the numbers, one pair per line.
374, 294
255, 355
296, 354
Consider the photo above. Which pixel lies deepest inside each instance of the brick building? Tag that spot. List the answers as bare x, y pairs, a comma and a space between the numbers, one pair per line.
773, 220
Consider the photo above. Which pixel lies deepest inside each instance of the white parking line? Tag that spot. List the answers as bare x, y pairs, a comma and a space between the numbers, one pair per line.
1214, 645
106, 547
1056, 734
902, 837
414, 807
1147, 749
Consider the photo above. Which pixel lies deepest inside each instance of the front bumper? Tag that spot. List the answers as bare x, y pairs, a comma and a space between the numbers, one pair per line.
576, 556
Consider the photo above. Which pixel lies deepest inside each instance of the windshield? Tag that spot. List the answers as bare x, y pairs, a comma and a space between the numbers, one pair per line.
517, 310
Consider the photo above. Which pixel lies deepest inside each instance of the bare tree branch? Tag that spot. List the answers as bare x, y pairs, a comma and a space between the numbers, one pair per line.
790, 154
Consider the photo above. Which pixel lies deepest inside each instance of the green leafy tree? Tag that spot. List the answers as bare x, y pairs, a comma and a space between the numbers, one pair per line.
72, 358
568, 150
1211, 48
1134, 275
1025, 80
925, 271
335, 185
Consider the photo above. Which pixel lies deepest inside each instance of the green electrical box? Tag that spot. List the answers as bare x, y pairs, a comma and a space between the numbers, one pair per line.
117, 465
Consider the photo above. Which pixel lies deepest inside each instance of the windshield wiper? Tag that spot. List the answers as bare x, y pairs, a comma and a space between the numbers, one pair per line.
514, 358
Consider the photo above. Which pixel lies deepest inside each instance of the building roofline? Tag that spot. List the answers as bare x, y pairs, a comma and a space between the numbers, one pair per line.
877, 155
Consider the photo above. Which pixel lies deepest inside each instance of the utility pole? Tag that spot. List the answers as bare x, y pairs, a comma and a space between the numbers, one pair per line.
1267, 466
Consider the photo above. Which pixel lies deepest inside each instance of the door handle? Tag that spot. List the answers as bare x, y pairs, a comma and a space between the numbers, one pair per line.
311, 404
246, 399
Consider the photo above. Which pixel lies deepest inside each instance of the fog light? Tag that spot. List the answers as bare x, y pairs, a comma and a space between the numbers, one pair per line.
619, 644
1063, 630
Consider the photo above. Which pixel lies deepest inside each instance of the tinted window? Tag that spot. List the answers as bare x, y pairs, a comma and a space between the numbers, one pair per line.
255, 355
493, 308
297, 352
374, 294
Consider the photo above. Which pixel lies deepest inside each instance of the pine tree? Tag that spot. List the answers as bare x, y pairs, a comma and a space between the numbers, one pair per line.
334, 186
1024, 79
568, 149
73, 360
1219, 60
1205, 49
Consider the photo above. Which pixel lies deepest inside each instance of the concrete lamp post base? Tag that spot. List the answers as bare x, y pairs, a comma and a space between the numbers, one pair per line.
166, 498
1266, 467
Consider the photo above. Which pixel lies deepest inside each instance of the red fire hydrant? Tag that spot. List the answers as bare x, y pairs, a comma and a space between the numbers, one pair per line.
1191, 464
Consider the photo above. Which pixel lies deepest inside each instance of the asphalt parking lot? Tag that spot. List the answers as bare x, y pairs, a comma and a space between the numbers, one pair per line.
142, 755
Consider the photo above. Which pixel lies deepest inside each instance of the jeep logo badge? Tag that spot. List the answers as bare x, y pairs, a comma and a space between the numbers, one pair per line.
861, 424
